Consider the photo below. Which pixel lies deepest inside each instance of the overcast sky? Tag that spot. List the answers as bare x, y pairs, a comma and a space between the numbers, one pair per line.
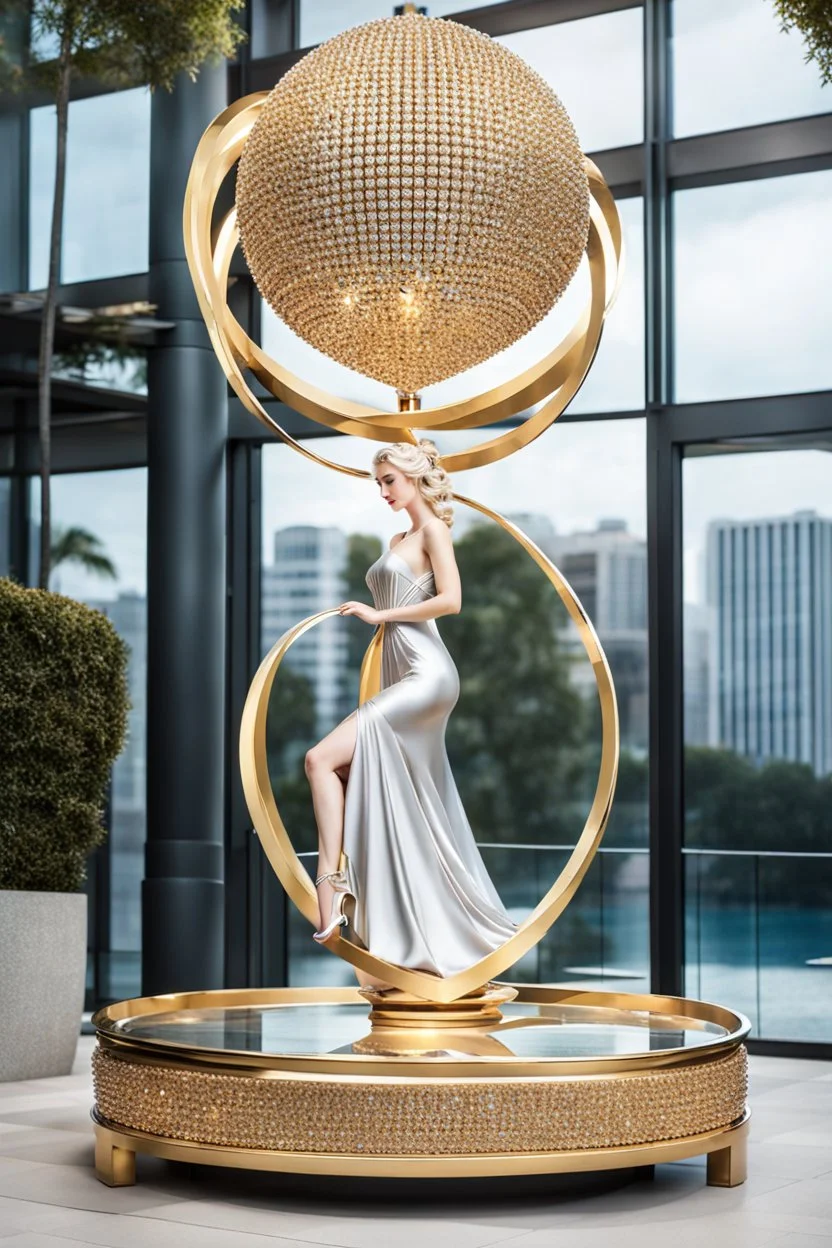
752, 307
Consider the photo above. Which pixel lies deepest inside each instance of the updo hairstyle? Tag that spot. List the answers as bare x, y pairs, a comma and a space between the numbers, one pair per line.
421, 464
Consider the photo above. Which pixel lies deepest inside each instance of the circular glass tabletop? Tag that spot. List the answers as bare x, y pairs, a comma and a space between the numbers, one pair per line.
525, 1031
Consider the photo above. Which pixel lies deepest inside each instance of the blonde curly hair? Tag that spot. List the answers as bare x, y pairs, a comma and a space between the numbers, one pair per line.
420, 462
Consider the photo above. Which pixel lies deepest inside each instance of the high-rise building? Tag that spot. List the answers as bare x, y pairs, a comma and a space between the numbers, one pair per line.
535, 525
128, 613
607, 568
5, 524
698, 628
308, 576
770, 585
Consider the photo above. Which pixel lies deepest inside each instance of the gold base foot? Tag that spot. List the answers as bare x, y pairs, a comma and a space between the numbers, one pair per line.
113, 1165
728, 1167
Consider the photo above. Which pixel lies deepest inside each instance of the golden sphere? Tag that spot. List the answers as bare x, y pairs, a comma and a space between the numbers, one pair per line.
412, 199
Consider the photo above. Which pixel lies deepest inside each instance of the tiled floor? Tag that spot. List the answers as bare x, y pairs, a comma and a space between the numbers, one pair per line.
50, 1197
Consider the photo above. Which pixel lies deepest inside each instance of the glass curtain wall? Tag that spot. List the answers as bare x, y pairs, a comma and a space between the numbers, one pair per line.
733, 66
738, 276
5, 525
758, 734
752, 277
107, 187
743, 318
111, 509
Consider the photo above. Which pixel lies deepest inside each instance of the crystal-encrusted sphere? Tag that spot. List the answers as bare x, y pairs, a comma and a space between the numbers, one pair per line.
412, 199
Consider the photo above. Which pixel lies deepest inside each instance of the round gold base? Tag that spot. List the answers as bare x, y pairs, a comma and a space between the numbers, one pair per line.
294, 1080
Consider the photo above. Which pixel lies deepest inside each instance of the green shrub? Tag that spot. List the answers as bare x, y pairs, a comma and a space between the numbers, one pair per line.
63, 716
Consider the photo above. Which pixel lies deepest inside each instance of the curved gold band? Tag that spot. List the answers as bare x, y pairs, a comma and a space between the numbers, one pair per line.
556, 378
292, 875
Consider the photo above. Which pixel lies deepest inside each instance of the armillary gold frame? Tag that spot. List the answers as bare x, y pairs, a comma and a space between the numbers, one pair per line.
294, 878
556, 378
551, 383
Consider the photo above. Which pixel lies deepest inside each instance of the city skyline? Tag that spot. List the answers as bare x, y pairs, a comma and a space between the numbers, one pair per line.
797, 480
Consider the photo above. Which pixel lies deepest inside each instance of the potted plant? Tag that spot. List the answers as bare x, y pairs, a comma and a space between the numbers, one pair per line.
63, 716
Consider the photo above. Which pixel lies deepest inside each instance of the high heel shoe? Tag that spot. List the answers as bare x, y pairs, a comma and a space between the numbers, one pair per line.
338, 917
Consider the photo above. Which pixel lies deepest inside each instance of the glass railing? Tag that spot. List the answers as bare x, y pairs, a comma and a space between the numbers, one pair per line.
758, 930
758, 937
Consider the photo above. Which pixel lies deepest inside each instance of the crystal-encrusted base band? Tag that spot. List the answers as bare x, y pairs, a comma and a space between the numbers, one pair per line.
429, 1117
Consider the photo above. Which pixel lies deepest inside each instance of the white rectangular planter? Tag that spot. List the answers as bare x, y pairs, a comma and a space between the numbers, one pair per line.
43, 956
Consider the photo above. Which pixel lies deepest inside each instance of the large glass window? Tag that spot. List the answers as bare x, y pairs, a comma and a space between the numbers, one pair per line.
734, 66
758, 735
616, 378
525, 765
107, 187
752, 281
5, 524
595, 66
111, 509
321, 19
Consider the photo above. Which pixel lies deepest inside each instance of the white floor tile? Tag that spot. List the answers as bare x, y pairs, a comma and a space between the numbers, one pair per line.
807, 1197
797, 1239
31, 1239
42, 1144
129, 1231
73, 1187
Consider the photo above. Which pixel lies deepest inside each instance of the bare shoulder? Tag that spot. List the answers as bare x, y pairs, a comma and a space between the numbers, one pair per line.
395, 539
438, 536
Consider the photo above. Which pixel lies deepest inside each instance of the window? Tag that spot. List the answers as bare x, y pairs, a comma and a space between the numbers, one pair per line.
758, 734
594, 65
107, 187
526, 828
112, 506
616, 378
752, 282
733, 66
321, 19
5, 525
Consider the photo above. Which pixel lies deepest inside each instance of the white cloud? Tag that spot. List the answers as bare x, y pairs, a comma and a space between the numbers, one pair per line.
732, 66
752, 288
107, 187
594, 65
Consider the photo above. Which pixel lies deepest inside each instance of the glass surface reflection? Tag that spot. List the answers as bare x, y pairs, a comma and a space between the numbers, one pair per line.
527, 1031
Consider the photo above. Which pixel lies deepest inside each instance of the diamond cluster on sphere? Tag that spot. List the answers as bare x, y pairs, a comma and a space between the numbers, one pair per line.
412, 199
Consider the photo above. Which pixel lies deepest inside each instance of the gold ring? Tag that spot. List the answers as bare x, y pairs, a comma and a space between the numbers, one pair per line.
294, 878
555, 379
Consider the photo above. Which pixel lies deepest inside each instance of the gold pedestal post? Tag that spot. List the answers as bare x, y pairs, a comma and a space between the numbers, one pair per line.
409, 402
395, 1009
728, 1167
114, 1166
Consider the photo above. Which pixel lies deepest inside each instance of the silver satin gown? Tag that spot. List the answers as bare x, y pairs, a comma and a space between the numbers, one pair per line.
424, 899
